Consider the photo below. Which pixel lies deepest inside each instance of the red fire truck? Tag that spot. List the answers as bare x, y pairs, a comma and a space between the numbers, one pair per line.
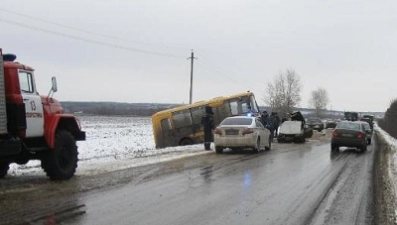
34, 126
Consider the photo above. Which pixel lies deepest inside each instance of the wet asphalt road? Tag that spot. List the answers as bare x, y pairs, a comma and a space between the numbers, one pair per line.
291, 184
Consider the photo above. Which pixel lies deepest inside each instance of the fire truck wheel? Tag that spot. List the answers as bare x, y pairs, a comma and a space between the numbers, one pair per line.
60, 163
4, 166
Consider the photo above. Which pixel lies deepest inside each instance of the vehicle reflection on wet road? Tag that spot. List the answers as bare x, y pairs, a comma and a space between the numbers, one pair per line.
291, 184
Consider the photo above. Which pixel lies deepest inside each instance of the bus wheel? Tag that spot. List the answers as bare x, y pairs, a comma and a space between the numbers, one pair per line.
4, 166
186, 141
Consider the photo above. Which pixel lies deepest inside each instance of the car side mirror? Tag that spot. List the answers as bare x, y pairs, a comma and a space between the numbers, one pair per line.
54, 86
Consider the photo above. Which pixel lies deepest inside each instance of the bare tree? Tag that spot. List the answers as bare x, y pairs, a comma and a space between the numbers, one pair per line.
319, 100
283, 94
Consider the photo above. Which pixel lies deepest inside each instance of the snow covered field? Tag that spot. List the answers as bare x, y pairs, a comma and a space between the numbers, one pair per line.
115, 143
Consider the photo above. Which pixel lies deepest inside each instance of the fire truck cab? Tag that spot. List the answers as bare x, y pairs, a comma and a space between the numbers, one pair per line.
33, 126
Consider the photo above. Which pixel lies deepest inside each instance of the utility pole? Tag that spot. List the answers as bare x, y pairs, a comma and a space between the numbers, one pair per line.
191, 76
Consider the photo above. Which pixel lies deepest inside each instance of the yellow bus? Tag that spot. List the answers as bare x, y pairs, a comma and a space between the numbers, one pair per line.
182, 125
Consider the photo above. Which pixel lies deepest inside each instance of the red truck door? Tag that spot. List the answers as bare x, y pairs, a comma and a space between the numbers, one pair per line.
33, 105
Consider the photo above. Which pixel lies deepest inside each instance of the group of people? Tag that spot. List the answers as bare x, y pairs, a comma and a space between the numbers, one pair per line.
271, 122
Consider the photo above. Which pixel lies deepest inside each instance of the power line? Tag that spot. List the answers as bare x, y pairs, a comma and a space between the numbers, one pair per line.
89, 40
225, 74
87, 31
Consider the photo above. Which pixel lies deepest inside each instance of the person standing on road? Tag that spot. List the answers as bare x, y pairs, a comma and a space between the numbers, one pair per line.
276, 123
264, 118
207, 120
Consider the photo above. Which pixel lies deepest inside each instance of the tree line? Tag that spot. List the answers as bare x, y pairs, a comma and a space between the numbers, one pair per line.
115, 108
283, 95
389, 122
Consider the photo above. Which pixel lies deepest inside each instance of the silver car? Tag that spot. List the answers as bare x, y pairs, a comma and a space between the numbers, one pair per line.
241, 132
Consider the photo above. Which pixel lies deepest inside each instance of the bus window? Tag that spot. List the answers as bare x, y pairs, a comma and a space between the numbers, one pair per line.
197, 113
165, 124
254, 105
245, 107
182, 118
233, 107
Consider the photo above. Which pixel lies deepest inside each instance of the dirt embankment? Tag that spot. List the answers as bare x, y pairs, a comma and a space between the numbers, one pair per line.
384, 183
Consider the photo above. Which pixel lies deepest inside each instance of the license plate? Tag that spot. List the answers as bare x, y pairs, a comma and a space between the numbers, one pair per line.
231, 132
317, 126
347, 135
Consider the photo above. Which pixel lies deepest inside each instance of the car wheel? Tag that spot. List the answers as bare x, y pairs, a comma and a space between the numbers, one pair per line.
270, 144
219, 150
334, 148
364, 148
4, 166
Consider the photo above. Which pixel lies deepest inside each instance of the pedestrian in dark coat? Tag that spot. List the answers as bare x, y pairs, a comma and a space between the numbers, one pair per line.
264, 118
276, 123
207, 120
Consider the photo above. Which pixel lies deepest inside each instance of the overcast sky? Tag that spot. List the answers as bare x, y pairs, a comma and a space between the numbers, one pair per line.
137, 50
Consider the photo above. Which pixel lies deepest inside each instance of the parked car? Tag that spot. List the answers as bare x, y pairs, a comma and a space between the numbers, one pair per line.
315, 124
240, 132
330, 123
369, 131
291, 131
294, 129
349, 134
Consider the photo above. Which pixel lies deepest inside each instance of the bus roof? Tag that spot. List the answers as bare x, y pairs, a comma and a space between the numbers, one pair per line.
202, 103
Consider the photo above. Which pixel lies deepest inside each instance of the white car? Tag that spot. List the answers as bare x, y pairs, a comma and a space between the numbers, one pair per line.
240, 132
291, 131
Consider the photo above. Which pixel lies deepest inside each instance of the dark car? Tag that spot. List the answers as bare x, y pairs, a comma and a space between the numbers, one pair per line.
369, 130
315, 124
349, 134
369, 121
330, 123
351, 116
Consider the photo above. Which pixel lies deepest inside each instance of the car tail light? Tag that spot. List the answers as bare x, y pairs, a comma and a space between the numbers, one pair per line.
218, 131
360, 135
248, 131
335, 133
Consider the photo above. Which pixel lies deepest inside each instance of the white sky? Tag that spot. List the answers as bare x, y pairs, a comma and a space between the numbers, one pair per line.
348, 47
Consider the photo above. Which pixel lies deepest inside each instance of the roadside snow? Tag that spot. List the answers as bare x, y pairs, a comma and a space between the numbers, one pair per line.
392, 173
389, 139
115, 143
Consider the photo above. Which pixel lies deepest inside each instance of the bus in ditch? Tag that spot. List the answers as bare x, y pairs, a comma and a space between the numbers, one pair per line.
182, 125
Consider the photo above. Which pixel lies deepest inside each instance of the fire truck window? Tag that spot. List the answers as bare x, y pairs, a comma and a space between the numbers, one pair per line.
26, 82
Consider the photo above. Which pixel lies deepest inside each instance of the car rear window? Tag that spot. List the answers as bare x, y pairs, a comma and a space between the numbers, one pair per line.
348, 126
237, 121
366, 125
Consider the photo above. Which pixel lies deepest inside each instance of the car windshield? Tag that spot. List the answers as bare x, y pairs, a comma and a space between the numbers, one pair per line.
237, 121
348, 126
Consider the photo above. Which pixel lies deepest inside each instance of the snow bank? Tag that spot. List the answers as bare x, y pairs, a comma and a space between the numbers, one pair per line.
115, 143
389, 148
